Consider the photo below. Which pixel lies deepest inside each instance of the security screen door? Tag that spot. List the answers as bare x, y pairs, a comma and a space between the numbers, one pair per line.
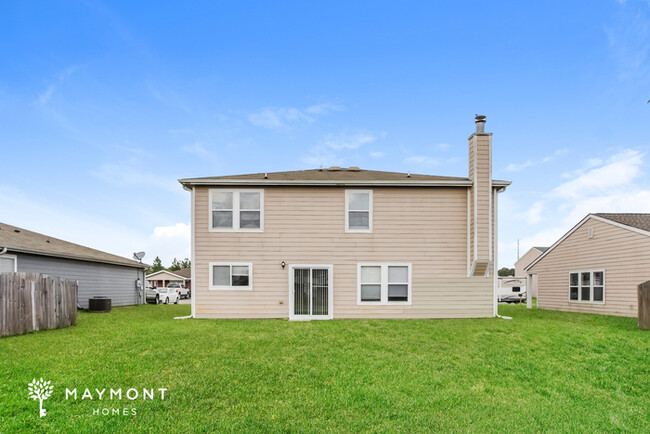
311, 292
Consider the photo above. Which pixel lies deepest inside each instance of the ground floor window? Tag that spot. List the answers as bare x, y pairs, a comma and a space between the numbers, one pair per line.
7, 264
384, 283
587, 286
225, 276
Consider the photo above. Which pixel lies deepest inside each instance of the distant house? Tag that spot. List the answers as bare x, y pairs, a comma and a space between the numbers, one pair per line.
347, 243
98, 273
523, 262
162, 278
596, 266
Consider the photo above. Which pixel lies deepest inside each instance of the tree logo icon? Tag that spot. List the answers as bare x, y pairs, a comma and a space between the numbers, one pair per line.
40, 390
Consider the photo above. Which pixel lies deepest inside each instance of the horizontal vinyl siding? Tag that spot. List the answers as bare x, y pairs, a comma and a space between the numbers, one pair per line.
525, 261
95, 279
623, 254
425, 226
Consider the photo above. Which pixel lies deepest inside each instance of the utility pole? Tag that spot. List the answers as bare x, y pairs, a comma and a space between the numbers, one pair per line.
517, 249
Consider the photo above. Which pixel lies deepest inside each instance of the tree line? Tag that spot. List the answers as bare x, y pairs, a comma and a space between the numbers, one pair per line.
176, 265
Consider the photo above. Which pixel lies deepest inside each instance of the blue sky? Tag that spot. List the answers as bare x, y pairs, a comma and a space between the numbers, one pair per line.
104, 105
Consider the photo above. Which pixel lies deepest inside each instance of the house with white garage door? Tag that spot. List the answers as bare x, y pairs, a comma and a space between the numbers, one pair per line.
596, 266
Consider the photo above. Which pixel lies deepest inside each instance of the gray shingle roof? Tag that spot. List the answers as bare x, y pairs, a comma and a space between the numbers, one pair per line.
332, 175
639, 221
21, 240
541, 249
184, 272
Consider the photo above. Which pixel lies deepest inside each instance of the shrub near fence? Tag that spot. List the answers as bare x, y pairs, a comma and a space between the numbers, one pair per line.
30, 302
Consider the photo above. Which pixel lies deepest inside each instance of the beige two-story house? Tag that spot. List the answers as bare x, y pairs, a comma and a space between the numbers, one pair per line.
347, 243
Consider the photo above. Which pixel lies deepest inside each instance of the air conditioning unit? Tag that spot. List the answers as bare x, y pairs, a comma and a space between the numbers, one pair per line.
99, 304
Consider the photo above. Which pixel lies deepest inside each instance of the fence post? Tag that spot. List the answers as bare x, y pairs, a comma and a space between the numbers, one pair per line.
644, 305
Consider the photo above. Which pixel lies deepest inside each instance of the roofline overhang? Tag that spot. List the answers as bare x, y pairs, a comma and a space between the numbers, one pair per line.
75, 257
190, 182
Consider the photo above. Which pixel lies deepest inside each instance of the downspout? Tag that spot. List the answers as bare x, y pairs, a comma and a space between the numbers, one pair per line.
3, 251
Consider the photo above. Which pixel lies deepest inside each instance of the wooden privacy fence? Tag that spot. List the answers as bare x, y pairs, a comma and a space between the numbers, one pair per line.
30, 302
644, 306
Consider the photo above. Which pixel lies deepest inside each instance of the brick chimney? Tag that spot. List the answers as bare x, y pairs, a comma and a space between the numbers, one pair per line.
480, 201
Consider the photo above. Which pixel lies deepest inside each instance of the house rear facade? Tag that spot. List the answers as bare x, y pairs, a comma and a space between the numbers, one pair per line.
347, 243
596, 266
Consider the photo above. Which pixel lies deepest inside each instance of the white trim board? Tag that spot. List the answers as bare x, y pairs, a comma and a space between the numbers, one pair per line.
578, 226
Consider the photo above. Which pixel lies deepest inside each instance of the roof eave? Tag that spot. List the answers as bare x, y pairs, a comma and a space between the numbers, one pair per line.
75, 257
189, 182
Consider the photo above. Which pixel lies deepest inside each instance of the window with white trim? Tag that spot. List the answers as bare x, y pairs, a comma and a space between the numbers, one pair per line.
358, 210
226, 276
236, 210
587, 286
384, 284
7, 264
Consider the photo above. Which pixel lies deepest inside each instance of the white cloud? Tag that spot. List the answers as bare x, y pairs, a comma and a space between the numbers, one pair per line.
181, 230
615, 184
422, 160
200, 149
377, 154
443, 147
285, 118
518, 167
169, 242
129, 173
348, 141
45, 96
616, 173
629, 40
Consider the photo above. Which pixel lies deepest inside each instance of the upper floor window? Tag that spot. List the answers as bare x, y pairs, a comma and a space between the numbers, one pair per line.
358, 210
587, 286
236, 210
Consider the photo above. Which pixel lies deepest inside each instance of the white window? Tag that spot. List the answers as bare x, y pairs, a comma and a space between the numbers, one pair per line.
7, 264
587, 286
236, 210
226, 276
384, 284
358, 210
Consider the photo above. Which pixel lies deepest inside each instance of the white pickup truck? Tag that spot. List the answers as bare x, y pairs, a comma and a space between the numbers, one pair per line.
181, 289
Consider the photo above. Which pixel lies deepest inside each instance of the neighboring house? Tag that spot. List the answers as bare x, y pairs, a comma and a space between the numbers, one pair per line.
98, 273
163, 277
523, 262
347, 243
596, 266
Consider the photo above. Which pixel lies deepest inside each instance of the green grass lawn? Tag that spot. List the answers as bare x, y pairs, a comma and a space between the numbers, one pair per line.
539, 371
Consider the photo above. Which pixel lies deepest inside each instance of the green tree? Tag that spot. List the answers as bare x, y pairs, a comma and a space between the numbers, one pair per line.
156, 266
176, 265
505, 271
186, 263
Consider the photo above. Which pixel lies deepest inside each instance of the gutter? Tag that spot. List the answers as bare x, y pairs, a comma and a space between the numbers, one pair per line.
187, 183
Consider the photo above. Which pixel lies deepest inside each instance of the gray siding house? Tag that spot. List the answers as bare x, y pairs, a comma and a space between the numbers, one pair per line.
98, 273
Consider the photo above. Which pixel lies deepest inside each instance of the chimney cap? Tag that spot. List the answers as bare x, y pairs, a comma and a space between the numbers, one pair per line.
480, 124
